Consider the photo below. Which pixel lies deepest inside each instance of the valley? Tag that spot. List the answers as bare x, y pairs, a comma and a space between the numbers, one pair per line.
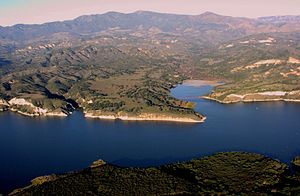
148, 66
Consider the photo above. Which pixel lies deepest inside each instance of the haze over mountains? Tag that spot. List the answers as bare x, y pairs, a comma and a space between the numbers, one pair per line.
144, 20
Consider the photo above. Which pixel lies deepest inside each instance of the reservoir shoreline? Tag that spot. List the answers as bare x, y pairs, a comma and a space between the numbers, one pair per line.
69, 144
14, 103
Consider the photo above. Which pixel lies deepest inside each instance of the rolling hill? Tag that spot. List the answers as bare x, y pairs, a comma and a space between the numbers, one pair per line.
119, 65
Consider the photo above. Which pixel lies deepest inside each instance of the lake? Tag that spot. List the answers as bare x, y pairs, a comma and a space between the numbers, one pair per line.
31, 147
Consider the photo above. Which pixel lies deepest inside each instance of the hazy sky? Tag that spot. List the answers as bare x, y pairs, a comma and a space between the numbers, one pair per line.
39, 11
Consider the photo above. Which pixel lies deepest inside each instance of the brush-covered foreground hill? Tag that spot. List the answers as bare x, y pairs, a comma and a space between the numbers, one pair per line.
123, 66
221, 174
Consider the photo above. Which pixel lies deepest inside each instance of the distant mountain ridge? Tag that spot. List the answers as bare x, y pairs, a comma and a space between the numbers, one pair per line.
145, 20
288, 18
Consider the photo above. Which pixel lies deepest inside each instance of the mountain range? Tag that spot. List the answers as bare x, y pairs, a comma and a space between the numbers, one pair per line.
119, 64
150, 21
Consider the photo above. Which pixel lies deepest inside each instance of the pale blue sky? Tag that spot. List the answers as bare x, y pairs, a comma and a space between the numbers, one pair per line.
13, 3
7, 3
39, 11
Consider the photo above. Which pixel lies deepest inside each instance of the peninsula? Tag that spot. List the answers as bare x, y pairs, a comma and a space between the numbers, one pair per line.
122, 66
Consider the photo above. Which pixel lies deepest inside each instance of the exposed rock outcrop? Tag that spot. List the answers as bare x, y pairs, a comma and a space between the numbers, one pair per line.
25, 107
144, 117
292, 96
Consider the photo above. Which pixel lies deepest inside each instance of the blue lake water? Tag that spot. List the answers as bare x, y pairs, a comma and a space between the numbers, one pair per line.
31, 147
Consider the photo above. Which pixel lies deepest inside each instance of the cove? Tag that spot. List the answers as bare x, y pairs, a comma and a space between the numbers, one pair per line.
31, 147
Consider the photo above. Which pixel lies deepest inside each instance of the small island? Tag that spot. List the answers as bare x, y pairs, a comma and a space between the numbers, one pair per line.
296, 161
